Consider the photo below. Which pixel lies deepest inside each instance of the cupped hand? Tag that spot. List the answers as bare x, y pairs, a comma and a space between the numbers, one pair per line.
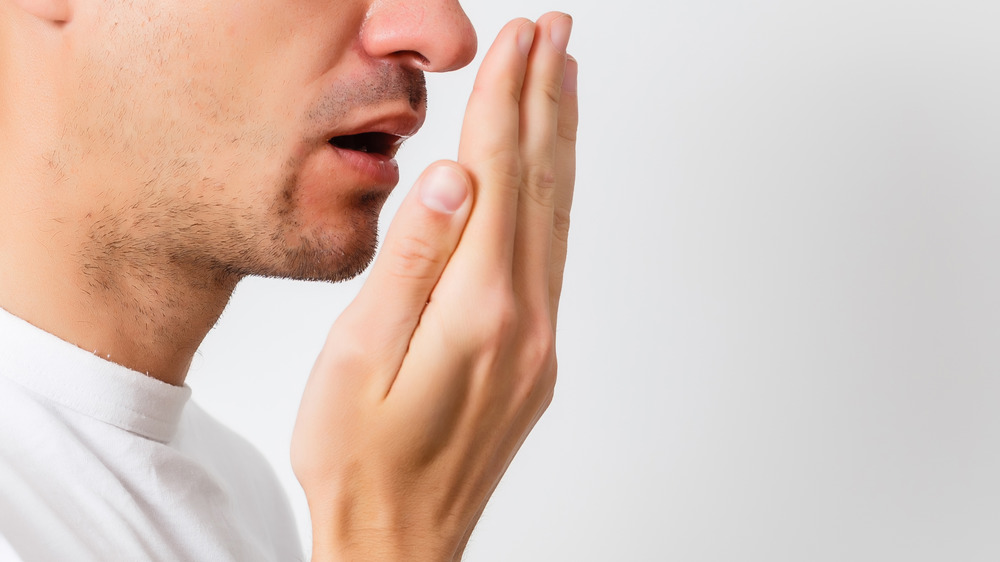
432, 378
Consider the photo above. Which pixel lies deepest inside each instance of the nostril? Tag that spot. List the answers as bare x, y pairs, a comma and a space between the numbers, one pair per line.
421, 60
412, 59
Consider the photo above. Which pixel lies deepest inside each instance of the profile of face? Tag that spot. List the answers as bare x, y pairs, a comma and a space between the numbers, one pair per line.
250, 137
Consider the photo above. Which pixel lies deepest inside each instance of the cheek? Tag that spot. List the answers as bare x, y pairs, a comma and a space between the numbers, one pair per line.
168, 100
208, 101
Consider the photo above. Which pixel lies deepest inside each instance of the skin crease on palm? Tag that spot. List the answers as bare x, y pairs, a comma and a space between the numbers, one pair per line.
162, 151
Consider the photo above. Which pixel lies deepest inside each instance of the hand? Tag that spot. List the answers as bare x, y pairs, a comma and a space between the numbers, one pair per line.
432, 378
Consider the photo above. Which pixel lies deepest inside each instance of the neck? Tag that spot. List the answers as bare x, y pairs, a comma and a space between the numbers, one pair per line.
79, 259
107, 293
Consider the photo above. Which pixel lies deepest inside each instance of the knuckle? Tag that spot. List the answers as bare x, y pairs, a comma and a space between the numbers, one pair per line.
415, 258
547, 388
507, 96
542, 180
552, 91
504, 167
497, 321
538, 380
536, 350
567, 129
540, 350
560, 225
505, 320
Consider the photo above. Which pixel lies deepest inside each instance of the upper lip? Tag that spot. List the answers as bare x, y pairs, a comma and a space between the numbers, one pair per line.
394, 128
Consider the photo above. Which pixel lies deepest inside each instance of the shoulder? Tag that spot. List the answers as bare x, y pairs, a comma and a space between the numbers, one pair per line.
242, 470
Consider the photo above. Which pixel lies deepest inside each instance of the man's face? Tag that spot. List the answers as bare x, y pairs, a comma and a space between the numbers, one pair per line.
199, 132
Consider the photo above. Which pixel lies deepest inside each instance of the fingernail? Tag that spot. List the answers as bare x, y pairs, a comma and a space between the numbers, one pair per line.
559, 32
569, 76
525, 37
443, 190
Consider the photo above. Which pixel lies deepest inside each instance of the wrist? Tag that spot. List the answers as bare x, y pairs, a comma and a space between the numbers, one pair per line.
378, 546
347, 534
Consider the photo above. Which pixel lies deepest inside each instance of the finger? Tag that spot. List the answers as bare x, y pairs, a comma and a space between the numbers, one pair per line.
566, 165
540, 102
418, 245
489, 144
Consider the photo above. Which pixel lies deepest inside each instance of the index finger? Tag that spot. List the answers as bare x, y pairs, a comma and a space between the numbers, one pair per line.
489, 148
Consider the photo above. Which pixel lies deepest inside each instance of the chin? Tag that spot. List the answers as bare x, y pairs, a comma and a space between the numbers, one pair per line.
333, 252
317, 235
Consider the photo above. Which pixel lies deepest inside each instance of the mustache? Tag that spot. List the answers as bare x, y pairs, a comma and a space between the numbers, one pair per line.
389, 83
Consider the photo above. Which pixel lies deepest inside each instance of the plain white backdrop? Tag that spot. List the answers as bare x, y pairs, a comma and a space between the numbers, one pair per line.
780, 334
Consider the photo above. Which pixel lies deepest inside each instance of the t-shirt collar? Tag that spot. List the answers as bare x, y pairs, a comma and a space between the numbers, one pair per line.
81, 381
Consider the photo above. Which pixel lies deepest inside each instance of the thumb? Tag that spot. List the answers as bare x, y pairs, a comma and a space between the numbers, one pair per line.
420, 240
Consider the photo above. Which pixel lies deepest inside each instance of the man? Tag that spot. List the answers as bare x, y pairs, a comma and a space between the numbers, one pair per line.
154, 154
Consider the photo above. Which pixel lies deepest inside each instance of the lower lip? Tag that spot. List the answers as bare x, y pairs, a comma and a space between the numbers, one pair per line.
375, 169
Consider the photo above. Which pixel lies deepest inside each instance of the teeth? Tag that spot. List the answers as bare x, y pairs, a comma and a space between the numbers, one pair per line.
363, 148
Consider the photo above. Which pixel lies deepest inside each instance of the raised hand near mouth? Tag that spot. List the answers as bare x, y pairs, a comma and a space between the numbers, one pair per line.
433, 377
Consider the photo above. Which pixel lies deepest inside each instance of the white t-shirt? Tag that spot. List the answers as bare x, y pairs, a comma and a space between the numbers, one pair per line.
99, 462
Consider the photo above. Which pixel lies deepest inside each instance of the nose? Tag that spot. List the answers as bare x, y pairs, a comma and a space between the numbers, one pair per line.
429, 35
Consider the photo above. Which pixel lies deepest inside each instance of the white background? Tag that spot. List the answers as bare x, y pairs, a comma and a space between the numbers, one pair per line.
779, 335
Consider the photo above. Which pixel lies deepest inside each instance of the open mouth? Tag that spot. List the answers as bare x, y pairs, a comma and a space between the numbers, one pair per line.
371, 143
